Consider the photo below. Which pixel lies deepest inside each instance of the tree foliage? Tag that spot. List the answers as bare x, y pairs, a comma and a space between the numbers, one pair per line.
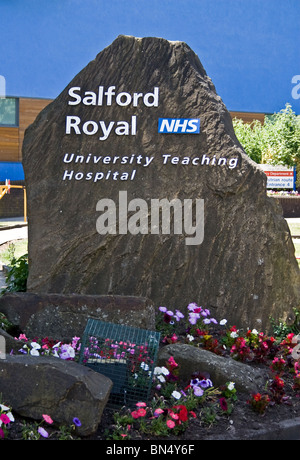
276, 142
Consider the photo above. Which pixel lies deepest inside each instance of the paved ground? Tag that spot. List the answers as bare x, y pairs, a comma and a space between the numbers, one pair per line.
13, 234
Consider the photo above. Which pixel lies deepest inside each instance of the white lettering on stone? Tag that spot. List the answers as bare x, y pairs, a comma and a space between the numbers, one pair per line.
107, 97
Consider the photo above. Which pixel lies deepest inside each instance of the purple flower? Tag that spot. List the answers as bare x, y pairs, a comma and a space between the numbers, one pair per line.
43, 432
163, 309
178, 315
205, 383
23, 351
192, 306
76, 421
193, 318
198, 391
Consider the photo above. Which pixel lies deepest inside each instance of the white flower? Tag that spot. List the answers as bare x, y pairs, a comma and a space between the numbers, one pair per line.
234, 335
35, 348
254, 331
144, 366
176, 394
164, 371
34, 352
190, 337
161, 378
161, 370
71, 351
223, 322
230, 386
2, 407
10, 416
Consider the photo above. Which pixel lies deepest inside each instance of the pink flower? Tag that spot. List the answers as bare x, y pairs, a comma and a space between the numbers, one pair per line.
22, 337
4, 419
141, 404
47, 418
135, 414
173, 415
170, 424
141, 412
158, 412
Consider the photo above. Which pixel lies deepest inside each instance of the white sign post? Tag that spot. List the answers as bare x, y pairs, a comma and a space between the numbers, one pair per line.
282, 177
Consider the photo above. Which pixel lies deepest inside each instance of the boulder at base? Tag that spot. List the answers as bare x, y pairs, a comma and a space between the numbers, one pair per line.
65, 390
142, 123
64, 316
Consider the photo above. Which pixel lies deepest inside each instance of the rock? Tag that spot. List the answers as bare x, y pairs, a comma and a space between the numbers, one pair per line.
99, 140
33, 386
221, 370
65, 316
11, 344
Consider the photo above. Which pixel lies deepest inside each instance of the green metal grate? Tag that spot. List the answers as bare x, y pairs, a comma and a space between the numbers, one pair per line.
125, 354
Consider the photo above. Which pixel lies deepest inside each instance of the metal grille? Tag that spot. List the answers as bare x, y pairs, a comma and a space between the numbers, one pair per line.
125, 354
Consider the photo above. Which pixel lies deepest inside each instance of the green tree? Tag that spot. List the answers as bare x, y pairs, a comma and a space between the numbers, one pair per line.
251, 138
276, 142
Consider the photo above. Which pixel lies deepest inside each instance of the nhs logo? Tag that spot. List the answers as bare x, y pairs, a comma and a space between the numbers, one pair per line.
179, 125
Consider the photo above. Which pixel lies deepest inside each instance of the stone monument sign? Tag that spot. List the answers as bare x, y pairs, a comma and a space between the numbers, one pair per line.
137, 186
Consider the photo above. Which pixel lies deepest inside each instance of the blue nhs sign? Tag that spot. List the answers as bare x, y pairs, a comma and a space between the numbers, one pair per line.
179, 125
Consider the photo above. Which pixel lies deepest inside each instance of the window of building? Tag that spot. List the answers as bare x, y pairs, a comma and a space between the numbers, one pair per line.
9, 111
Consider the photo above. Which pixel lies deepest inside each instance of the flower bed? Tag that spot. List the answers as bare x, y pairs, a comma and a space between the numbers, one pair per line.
193, 409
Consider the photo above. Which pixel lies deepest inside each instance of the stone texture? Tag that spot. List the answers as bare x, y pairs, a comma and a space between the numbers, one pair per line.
33, 386
11, 344
221, 370
245, 269
65, 316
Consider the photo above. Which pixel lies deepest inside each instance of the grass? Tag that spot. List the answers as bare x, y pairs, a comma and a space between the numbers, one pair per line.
18, 248
11, 223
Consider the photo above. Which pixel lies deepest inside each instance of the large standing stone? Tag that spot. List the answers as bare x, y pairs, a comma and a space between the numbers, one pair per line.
100, 137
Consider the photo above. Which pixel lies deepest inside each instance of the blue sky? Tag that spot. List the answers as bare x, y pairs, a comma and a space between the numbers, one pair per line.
250, 48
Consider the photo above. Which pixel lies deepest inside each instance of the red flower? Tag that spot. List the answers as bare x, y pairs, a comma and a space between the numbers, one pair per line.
183, 413
223, 404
